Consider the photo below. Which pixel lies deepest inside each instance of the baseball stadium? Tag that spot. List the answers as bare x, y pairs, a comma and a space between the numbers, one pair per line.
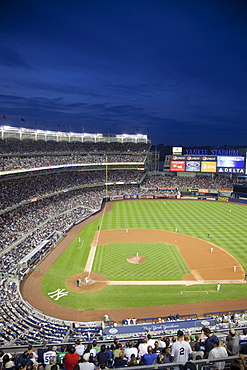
105, 236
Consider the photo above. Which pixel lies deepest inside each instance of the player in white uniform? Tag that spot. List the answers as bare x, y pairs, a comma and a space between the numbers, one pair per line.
181, 350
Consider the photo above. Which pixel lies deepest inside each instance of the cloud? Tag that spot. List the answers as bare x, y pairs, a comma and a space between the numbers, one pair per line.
12, 58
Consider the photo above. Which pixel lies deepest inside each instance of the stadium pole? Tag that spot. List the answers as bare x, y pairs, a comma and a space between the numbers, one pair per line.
106, 178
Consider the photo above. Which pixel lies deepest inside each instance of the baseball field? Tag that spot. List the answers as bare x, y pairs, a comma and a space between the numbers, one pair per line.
138, 253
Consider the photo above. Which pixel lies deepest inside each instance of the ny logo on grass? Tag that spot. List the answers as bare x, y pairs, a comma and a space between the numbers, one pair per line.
58, 294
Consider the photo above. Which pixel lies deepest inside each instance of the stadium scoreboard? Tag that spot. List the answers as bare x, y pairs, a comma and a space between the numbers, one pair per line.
209, 164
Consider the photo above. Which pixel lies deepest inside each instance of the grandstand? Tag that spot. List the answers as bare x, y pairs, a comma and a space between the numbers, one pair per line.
51, 181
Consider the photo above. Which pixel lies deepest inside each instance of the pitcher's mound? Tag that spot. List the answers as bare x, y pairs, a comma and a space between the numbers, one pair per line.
95, 282
135, 259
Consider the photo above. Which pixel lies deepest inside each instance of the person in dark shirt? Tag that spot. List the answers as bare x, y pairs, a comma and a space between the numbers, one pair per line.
120, 361
209, 342
103, 356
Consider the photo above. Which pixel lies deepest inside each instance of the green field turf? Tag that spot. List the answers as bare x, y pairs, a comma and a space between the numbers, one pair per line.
160, 259
195, 218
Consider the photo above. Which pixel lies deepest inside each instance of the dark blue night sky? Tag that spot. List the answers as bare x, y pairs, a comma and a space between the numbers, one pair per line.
175, 70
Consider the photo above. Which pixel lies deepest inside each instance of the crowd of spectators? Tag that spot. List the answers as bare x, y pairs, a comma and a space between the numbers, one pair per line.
9, 163
24, 228
218, 182
19, 325
182, 348
12, 146
17, 190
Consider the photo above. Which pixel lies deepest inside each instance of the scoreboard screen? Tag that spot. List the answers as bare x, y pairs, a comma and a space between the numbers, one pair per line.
230, 164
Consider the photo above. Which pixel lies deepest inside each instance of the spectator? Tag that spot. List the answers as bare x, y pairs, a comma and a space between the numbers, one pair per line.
216, 352
71, 359
181, 350
103, 356
120, 361
232, 343
86, 365
209, 341
150, 357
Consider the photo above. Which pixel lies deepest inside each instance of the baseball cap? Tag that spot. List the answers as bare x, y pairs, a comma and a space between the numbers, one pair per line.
180, 333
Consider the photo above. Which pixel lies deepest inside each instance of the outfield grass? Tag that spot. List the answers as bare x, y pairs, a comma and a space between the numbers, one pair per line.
195, 218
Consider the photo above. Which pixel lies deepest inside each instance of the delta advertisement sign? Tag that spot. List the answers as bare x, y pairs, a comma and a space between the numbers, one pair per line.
212, 164
230, 164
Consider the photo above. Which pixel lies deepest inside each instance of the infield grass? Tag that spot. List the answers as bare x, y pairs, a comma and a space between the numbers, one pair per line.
196, 218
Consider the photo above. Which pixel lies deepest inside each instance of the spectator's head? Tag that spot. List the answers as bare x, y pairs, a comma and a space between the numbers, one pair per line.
150, 349
103, 348
53, 360
86, 357
216, 342
121, 354
232, 333
206, 331
72, 349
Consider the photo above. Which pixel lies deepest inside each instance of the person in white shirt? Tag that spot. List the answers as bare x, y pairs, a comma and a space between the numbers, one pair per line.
47, 355
143, 347
150, 341
80, 348
129, 350
217, 352
86, 365
181, 350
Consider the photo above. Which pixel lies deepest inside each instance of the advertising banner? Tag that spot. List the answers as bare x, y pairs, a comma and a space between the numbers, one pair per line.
133, 196
192, 166
177, 150
159, 327
177, 166
170, 196
120, 197
223, 199
207, 166
230, 164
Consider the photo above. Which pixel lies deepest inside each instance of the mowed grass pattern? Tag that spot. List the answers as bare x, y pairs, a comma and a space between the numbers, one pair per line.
196, 218
163, 262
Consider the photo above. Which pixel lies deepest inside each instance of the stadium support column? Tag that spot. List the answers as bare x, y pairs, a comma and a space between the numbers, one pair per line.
106, 177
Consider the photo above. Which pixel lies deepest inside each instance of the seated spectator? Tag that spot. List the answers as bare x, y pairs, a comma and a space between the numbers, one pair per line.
86, 365
129, 350
133, 361
80, 349
196, 350
7, 362
71, 359
53, 364
47, 355
103, 356
160, 358
120, 361
116, 350
150, 357
143, 347
167, 357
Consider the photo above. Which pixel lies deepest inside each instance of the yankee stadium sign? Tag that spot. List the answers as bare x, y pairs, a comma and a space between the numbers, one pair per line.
205, 151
